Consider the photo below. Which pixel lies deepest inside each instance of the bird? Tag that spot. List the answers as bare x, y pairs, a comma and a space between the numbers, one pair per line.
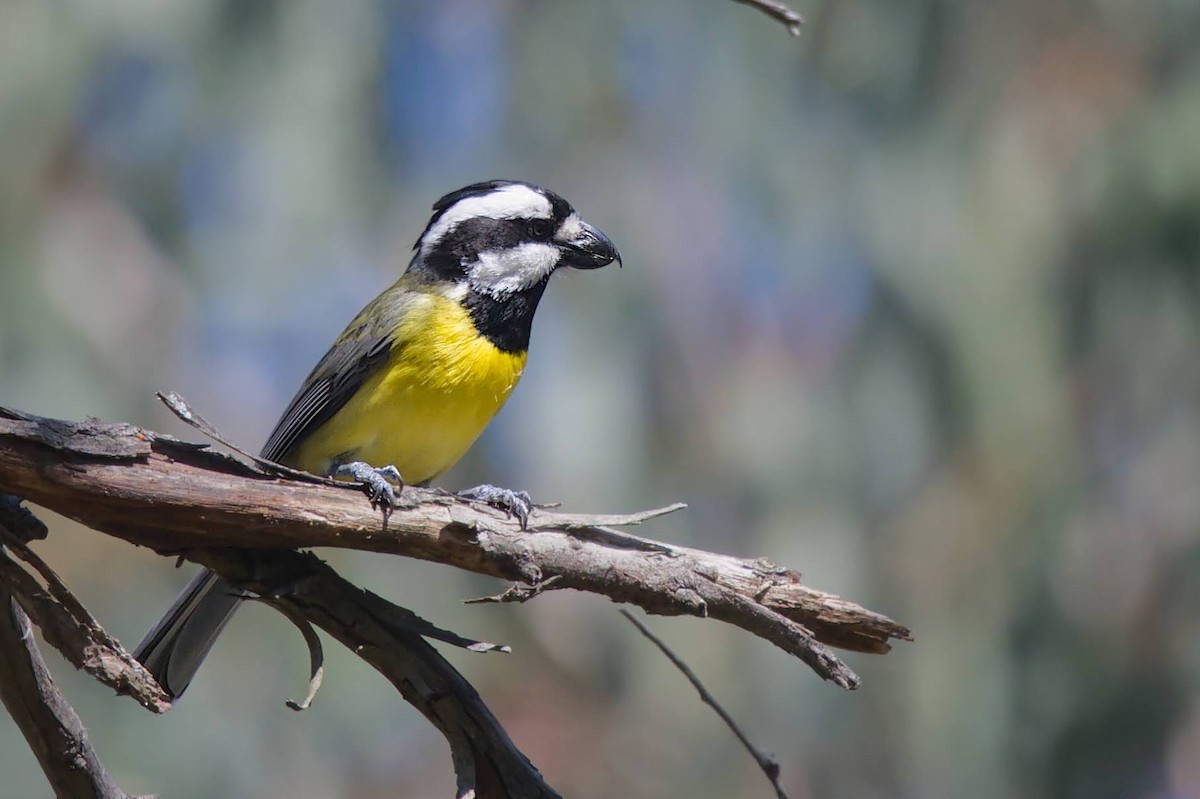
415, 377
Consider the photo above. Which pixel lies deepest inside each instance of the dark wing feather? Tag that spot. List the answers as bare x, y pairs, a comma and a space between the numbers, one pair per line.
357, 354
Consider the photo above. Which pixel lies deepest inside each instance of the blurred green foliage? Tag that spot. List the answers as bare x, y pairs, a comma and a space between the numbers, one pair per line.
910, 303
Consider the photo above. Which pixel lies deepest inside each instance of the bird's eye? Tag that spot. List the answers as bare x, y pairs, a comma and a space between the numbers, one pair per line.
541, 228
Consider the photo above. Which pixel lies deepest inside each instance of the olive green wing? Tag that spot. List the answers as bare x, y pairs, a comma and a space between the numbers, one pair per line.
359, 352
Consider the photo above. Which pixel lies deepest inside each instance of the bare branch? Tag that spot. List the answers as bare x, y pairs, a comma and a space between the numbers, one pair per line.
486, 762
49, 724
69, 628
81, 640
766, 761
391, 638
158, 492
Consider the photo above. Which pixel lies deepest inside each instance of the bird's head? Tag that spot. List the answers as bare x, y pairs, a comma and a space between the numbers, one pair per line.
504, 238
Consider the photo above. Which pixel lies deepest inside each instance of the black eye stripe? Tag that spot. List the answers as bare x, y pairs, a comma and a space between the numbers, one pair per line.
480, 234
473, 236
461, 245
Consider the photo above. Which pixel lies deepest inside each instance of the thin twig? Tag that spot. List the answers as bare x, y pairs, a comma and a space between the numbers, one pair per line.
516, 592
404, 620
184, 411
177, 405
316, 656
576, 521
778, 11
766, 760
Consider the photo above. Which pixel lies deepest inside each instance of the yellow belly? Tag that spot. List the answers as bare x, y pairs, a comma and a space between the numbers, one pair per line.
426, 405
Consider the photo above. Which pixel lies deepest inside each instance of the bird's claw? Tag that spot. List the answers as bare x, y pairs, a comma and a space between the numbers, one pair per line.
514, 503
377, 482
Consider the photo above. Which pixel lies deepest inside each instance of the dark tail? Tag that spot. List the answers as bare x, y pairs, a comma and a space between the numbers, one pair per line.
175, 647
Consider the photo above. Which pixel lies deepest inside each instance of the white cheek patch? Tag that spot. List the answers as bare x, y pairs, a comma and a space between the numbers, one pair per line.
501, 272
510, 202
570, 229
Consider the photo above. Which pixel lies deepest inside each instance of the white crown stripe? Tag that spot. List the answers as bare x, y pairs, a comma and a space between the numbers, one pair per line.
510, 202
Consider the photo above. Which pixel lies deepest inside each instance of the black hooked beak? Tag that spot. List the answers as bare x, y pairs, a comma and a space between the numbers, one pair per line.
589, 248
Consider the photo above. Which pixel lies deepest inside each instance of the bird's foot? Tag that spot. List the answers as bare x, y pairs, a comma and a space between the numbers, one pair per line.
377, 482
514, 503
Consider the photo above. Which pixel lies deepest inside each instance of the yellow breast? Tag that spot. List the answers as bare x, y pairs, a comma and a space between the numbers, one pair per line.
427, 404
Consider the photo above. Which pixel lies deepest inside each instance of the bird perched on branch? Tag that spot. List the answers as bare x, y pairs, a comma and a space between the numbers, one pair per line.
415, 377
